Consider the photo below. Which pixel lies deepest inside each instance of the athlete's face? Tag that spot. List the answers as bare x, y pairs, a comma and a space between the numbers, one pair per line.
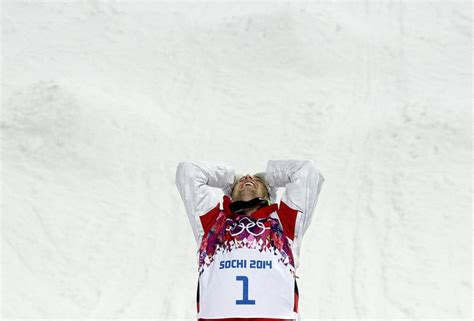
249, 187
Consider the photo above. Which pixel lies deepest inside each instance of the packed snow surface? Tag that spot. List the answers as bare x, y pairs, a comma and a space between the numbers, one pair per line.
102, 100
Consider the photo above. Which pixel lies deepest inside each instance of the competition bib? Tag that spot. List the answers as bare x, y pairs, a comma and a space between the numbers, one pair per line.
246, 283
246, 270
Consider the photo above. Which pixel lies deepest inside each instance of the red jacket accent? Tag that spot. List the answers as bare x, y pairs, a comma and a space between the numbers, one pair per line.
287, 217
208, 219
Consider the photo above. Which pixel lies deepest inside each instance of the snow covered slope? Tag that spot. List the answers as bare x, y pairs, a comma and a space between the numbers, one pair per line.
101, 100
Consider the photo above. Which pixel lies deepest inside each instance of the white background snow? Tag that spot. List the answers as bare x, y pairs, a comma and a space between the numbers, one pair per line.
102, 99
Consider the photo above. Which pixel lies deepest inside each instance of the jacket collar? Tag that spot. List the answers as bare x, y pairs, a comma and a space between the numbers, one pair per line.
263, 212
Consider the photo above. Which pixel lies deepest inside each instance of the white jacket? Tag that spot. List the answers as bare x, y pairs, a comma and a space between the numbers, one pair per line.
301, 180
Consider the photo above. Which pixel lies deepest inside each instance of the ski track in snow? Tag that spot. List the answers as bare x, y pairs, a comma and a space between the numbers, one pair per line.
101, 100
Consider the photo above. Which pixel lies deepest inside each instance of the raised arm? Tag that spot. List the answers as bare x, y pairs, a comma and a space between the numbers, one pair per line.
194, 181
303, 183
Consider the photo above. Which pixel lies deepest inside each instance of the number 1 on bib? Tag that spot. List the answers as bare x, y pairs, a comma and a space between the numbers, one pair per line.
245, 295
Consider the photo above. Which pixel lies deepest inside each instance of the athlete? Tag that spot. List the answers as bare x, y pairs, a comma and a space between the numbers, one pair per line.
248, 245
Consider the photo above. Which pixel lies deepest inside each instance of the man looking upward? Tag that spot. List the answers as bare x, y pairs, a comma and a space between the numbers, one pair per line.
249, 245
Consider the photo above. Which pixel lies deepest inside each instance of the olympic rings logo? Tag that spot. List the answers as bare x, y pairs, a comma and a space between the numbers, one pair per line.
236, 229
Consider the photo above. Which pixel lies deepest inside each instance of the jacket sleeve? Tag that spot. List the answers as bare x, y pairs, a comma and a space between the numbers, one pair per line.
303, 183
195, 181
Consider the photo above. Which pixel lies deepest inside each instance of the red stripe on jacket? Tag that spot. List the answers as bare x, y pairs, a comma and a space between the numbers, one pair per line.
287, 217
